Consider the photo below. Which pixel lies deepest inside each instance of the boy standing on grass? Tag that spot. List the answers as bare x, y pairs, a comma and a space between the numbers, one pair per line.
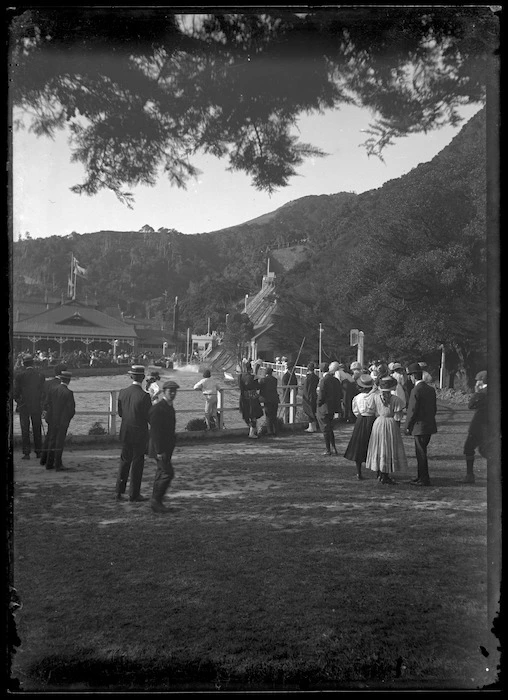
162, 443
209, 387
478, 428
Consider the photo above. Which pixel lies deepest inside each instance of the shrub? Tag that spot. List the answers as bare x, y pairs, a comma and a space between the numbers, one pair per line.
97, 429
196, 424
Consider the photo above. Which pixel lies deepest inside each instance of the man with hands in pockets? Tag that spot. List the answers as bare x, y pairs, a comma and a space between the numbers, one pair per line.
161, 444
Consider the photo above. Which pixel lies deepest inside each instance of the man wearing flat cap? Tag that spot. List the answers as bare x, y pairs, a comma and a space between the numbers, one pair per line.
61, 409
28, 391
134, 405
421, 420
162, 443
477, 435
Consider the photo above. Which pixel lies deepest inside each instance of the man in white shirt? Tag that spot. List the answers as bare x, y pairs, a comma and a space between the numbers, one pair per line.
209, 387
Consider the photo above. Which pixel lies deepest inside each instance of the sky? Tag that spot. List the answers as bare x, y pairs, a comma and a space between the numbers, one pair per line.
42, 175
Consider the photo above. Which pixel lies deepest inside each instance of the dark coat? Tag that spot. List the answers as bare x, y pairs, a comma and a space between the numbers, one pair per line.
162, 419
421, 410
29, 388
249, 405
49, 386
134, 405
329, 395
478, 425
309, 396
268, 389
62, 406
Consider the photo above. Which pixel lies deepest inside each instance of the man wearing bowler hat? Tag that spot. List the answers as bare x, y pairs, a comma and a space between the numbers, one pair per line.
61, 410
28, 391
421, 420
49, 386
134, 405
162, 443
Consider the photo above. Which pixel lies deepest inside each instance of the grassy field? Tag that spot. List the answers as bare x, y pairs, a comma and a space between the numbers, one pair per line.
274, 570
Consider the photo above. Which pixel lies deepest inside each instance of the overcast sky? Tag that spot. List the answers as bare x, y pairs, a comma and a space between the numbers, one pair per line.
44, 206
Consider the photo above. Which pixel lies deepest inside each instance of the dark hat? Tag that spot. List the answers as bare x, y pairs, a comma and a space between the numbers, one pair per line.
65, 375
155, 374
481, 376
268, 370
59, 369
137, 370
413, 367
170, 384
365, 380
28, 359
387, 383
311, 366
324, 366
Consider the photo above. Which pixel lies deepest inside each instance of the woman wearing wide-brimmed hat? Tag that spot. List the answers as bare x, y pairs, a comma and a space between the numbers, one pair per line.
358, 446
386, 452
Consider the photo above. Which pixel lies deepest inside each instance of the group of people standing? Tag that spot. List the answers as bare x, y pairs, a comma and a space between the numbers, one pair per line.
37, 400
376, 400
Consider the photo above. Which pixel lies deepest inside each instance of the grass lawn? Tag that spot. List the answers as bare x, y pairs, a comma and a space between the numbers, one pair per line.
275, 569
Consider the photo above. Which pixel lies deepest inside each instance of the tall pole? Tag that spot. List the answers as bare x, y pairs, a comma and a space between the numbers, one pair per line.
246, 299
320, 343
442, 370
188, 343
359, 356
208, 325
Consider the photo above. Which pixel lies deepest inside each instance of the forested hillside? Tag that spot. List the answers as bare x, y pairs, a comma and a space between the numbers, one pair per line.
404, 263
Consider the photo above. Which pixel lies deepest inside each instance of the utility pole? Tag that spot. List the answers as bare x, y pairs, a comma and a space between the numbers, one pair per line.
320, 344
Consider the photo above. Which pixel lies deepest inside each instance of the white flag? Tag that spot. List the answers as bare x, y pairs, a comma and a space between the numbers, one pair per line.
81, 271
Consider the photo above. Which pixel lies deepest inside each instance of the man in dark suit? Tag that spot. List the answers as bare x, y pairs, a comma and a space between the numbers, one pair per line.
421, 420
329, 397
270, 397
28, 389
290, 381
49, 386
134, 405
61, 410
162, 443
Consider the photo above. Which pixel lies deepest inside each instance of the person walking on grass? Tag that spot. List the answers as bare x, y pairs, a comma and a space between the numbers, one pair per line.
309, 397
134, 405
421, 421
329, 398
386, 454
49, 386
477, 435
61, 410
365, 413
28, 395
270, 397
162, 442
209, 387
249, 404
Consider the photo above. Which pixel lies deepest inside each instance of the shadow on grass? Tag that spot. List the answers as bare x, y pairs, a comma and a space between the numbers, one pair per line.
93, 674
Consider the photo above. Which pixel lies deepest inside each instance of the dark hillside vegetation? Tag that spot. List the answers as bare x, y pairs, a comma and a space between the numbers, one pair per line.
405, 263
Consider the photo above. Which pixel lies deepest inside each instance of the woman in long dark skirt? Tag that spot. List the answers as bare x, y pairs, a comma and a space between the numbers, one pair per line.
356, 450
309, 397
250, 406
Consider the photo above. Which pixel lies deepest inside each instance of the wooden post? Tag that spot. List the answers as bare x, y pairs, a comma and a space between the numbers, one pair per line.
292, 406
220, 405
112, 413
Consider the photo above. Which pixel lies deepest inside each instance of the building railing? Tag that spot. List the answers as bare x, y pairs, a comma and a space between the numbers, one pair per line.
113, 418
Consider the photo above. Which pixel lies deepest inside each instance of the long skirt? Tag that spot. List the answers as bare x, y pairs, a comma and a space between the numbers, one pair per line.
356, 451
386, 449
309, 406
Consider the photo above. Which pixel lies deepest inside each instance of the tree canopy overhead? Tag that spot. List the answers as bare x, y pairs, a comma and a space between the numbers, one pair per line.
143, 90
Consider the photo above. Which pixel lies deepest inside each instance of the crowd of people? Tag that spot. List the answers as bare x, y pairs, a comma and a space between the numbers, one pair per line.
76, 359
382, 397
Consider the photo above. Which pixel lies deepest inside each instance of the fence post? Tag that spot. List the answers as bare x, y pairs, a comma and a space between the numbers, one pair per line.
292, 407
112, 413
220, 404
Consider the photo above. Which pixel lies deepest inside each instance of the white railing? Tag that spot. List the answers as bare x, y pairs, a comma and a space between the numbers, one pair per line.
112, 413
